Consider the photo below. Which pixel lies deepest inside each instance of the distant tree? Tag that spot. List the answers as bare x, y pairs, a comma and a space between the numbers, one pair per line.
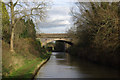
29, 30
97, 24
19, 29
23, 10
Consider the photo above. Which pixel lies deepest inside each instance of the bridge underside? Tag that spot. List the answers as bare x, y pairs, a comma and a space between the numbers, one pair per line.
44, 41
68, 42
46, 38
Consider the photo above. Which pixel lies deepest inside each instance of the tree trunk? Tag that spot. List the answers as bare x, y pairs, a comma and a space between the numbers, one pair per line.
12, 25
11, 40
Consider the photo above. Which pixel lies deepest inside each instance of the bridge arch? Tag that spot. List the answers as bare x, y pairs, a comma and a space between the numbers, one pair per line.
46, 38
61, 40
44, 41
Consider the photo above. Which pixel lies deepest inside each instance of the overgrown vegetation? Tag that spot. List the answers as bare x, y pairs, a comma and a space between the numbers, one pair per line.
96, 32
28, 52
50, 46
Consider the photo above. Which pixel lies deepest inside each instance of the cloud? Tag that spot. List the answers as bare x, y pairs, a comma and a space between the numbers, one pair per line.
55, 23
61, 10
54, 30
58, 18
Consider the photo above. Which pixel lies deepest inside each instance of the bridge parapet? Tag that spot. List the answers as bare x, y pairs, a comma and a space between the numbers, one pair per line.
46, 38
52, 35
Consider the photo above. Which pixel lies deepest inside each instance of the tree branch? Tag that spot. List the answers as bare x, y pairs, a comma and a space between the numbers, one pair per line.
20, 18
16, 3
19, 5
7, 4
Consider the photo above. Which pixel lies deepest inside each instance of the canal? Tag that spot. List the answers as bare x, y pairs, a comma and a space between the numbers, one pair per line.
62, 65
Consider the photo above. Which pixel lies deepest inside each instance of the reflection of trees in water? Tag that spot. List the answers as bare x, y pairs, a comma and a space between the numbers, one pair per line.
86, 67
60, 55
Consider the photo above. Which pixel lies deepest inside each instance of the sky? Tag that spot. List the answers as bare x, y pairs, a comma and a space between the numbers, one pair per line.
58, 17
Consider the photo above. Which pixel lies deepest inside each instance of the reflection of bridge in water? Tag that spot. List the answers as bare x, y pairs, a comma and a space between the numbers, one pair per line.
49, 37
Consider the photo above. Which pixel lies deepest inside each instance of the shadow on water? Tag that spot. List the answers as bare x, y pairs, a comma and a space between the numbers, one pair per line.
87, 67
62, 65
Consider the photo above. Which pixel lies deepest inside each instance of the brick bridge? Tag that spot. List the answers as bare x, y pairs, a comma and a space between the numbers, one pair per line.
49, 37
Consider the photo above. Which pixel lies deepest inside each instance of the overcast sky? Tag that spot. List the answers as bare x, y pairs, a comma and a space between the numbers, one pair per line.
59, 19
58, 16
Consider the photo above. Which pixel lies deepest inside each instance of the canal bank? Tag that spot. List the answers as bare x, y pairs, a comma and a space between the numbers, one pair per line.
62, 65
38, 68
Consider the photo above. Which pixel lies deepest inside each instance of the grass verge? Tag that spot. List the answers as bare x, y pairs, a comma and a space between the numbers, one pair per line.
28, 70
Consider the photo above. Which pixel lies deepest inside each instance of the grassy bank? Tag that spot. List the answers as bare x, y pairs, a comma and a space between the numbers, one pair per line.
27, 70
24, 61
21, 52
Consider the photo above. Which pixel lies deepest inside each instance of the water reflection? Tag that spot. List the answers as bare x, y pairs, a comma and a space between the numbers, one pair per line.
62, 65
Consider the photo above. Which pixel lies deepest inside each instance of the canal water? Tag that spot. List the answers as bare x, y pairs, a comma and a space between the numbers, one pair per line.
62, 65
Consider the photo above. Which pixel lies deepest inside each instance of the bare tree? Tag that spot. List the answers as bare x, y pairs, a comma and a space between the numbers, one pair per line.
19, 10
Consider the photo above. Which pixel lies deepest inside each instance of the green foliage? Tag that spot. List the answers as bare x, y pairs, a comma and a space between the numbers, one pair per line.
5, 23
25, 29
24, 72
5, 16
20, 27
29, 30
